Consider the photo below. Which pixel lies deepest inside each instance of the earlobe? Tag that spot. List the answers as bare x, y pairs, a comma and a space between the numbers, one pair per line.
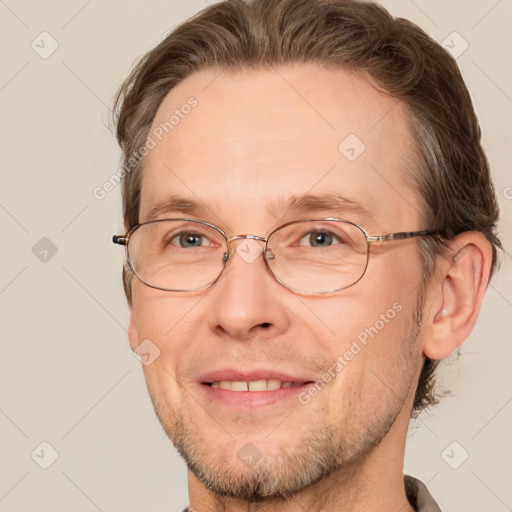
461, 283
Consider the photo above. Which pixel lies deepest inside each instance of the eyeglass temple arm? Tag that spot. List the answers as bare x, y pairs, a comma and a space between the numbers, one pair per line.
401, 236
120, 239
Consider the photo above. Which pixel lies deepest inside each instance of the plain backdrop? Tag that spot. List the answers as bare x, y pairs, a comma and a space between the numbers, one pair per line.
67, 376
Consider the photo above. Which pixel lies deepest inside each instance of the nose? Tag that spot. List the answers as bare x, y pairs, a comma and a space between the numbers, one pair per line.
247, 300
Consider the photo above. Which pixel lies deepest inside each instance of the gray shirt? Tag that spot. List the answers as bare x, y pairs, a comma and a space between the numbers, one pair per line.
417, 494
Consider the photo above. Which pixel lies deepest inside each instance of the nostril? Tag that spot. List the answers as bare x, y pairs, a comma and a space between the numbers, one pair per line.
266, 325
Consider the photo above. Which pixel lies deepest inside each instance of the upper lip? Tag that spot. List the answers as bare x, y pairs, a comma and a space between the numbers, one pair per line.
237, 375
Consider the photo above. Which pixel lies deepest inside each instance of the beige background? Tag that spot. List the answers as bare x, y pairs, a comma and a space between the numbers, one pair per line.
67, 375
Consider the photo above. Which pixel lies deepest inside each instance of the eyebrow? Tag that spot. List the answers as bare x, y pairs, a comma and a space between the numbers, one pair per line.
334, 204
175, 204
292, 206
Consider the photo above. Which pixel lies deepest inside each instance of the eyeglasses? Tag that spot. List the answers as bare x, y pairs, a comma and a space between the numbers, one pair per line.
306, 256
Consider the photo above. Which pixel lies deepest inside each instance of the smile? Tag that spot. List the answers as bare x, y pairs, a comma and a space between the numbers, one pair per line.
255, 385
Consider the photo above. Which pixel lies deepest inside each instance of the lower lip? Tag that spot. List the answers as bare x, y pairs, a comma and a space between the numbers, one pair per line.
245, 400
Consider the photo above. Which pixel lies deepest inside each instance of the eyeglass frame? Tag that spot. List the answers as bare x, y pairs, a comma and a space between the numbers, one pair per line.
389, 237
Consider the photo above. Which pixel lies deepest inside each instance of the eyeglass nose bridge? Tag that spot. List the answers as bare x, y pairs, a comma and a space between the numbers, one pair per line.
245, 237
267, 254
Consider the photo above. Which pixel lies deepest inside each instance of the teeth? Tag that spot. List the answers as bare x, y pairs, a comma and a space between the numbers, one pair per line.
256, 385
274, 384
239, 386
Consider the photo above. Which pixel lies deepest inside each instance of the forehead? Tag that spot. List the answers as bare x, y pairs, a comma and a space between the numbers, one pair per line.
254, 139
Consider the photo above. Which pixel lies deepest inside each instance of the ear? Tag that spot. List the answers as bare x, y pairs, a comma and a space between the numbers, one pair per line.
455, 294
133, 333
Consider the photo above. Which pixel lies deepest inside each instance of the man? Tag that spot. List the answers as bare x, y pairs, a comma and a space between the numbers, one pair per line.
310, 228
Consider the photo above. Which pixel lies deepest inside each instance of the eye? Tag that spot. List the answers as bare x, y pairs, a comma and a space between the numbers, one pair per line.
187, 240
319, 239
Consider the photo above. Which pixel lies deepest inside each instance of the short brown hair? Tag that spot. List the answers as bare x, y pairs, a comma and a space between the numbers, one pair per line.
453, 177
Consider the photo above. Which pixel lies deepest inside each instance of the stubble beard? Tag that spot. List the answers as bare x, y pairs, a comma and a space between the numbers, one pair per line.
322, 451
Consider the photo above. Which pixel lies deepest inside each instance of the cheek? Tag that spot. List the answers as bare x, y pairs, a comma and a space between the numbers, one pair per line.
168, 320
371, 328
378, 366
159, 313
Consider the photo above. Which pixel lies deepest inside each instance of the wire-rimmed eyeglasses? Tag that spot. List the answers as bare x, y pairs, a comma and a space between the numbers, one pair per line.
311, 256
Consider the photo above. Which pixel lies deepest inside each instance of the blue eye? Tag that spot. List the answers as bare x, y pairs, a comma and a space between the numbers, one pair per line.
319, 239
187, 240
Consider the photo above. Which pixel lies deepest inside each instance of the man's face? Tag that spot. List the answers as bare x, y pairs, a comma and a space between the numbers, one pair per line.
255, 141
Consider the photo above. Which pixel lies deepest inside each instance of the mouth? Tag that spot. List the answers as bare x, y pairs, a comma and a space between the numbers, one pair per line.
255, 385
251, 389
